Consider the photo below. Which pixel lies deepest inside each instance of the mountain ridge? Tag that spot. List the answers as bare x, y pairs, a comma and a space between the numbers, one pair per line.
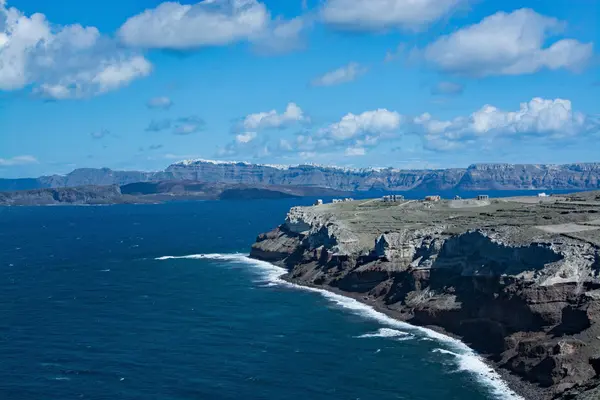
491, 176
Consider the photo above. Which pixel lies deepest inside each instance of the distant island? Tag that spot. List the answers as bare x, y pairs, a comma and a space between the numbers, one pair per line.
157, 192
583, 176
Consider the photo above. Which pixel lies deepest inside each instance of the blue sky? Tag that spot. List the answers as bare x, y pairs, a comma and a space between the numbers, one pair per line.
411, 84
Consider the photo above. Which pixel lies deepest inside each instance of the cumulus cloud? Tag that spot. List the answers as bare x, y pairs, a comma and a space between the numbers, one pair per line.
245, 137
347, 73
352, 135
377, 15
281, 36
370, 122
447, 88
552, 119
273, 119
248, 129
177, 26
62, 62
508, 44
163, 103
18, 160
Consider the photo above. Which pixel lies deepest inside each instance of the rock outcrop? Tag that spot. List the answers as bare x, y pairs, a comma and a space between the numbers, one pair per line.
517, 279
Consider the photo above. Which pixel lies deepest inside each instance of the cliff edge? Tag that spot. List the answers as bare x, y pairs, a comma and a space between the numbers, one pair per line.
518, 279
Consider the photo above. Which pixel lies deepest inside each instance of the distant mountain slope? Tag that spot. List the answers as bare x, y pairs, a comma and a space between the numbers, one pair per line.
475, 177
77, 195
158, 192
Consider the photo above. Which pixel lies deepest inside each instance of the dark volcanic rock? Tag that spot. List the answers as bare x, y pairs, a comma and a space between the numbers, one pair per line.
516, 279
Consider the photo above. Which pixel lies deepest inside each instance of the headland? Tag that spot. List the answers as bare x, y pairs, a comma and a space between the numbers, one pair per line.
517, 279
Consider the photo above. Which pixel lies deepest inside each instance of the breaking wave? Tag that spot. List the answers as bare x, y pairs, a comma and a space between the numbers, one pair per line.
465, 357
386, 333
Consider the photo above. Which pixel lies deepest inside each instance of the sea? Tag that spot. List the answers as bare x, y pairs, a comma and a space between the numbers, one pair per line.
161, 302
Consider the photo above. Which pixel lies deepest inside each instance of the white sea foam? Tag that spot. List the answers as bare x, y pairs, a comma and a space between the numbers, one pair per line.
467, 359
385, 333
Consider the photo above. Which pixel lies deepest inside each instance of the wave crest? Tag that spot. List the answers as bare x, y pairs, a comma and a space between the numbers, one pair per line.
466, 358
385, 333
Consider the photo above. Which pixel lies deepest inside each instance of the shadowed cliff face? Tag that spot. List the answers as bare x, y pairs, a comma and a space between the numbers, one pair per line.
475, 177
532, 308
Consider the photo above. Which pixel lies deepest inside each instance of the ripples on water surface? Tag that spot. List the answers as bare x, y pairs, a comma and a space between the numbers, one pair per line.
88, 311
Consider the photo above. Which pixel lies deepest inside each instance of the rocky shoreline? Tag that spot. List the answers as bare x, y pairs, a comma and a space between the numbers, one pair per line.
520, 387
515, 279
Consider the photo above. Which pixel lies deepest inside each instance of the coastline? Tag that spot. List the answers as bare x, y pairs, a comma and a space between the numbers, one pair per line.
504, 385
523, 389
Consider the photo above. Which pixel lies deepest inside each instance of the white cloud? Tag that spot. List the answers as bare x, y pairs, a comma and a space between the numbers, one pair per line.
370, 122
281, 36
273, 120
377, 15
355, 151
245, 137
353, 135
112, 75
553, 119
160, 102
176, 26
247, 131
18, 160
347, 73
69, 61
507, 44
61, 61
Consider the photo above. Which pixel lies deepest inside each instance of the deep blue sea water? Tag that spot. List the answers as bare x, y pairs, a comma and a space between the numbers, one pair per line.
90, 308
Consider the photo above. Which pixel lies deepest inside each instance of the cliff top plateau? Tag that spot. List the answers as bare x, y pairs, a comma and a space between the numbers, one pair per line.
518, 279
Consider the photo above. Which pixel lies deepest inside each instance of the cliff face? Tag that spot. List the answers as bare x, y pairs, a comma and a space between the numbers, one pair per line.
516, 279
523, 176
476, 177
158, 192
79, 195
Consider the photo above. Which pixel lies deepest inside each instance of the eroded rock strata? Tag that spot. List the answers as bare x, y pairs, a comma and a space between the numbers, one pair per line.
584, 176
517, 279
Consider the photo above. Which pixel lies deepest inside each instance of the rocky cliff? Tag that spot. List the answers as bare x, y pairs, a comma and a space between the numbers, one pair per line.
517, 279
475, 177
79, 195
158, 192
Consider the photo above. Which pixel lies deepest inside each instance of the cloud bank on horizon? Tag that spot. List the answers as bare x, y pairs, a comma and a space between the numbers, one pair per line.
351, 82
